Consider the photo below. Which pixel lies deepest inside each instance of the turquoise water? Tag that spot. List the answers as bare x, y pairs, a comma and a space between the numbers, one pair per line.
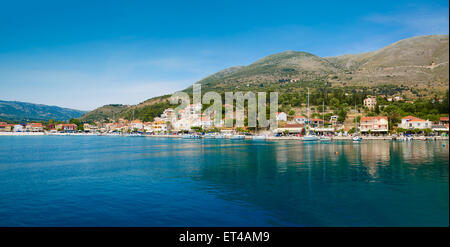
138, 181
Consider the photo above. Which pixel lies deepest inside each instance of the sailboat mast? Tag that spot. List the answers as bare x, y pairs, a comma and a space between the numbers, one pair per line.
307, 106
323, 111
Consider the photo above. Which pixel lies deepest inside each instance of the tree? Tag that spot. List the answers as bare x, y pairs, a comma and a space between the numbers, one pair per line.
352, 130
377, 109
75, 121
197, 129
342, 114
291, 113
427, 131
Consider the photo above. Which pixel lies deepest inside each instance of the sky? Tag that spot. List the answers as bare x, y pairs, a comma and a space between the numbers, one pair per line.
85, 54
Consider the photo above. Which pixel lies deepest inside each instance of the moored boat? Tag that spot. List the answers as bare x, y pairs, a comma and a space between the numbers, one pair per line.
310, 138
357, 138
191, 136
259, 137
237, 137
325, 139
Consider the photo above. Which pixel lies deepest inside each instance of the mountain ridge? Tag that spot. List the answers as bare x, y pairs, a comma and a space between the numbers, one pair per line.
19, 111
419, 62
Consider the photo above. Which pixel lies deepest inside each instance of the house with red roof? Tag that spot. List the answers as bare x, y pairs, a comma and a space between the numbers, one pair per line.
292, 128
316, 122
376, 124
5, 127
34, 127
411, 122
66, 127
441, 126
300, 119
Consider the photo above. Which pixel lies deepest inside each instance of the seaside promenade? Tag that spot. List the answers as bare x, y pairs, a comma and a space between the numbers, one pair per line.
271, 138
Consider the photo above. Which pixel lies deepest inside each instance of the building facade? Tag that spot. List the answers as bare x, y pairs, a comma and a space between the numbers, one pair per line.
378, 124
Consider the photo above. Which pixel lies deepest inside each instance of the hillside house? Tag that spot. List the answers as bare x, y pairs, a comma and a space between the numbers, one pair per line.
411, 122
378, 124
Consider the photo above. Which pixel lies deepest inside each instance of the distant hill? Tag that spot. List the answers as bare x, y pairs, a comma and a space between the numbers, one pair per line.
23, 112
410, 64
104, 112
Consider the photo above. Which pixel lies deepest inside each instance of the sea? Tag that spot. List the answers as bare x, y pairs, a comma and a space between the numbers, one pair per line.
147, 181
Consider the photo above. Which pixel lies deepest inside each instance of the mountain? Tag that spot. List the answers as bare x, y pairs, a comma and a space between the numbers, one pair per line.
288, 65
105, 112
419, 61
23, 112
410, 64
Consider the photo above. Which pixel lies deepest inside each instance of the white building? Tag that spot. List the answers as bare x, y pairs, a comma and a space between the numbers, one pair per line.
370, 102
18, 128
300, 119
334, 119
281, 116
410, 122
137, 124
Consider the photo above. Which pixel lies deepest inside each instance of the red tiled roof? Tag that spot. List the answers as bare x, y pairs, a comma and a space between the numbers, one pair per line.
373, 118
444, 118
293, 126
300, 116
317, 119
36, 125
410, 117
417, 120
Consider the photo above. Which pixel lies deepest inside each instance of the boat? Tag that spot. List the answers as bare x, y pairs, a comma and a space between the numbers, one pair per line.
325, 138
237, 137
357, 138
135, 135
191, 136
209, 136
310, 136
219, 136
409, 138
259, 137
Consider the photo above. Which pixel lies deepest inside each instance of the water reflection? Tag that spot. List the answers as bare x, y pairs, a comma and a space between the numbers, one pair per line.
49, 181
299, 182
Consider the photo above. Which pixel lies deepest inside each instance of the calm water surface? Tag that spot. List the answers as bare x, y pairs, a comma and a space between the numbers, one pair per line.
138, 181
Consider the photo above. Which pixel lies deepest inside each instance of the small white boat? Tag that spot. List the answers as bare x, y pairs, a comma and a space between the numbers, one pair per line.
325, 139
401, 138
134, 134
189, 136
259, 137
357, 138
409, 138
310, 138
209, 136
237, 137
219, 137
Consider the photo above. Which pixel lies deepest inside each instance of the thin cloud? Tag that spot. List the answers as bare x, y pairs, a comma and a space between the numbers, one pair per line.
419, 22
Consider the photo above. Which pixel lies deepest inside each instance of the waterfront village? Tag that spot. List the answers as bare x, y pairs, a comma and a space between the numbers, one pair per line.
190, 120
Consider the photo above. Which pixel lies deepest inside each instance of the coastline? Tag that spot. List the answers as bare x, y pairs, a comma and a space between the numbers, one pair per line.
270, 138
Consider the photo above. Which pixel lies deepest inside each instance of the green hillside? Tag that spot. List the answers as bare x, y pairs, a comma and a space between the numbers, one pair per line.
415, 68
16, 111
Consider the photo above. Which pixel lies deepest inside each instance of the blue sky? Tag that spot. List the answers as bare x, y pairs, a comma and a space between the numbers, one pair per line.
84, 54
